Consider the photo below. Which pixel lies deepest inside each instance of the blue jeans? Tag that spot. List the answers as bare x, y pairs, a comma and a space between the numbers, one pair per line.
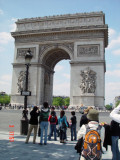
44, 127
115, 149
52, 129
73, 131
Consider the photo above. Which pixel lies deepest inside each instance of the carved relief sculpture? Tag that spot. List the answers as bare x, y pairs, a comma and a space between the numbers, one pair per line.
88, 84
87, 50
21, 81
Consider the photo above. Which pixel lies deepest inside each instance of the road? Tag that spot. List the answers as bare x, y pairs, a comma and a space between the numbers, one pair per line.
13, 117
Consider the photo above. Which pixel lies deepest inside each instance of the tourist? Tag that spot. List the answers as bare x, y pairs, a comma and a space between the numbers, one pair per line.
33, 124
93, 124
115, 132
53, 120
62, 122
84, 119
44, 114
73, 122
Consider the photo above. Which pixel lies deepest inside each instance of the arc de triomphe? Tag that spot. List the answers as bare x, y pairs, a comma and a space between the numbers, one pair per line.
80, 37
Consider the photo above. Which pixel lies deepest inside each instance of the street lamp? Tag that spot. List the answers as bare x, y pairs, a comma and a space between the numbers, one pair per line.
26, 93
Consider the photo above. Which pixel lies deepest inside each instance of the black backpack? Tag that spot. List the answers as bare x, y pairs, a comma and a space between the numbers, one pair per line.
52, 119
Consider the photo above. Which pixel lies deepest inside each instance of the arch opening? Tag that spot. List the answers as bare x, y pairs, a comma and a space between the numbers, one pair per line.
54, 56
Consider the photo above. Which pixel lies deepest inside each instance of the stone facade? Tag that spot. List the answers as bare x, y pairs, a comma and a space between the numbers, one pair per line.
81, 38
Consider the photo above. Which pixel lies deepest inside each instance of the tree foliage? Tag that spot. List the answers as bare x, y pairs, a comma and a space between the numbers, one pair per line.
66, 101
118, 102
4, 99
108, 107
59, 101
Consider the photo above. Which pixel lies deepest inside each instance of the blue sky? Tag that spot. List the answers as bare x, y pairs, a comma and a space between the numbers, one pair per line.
11, 10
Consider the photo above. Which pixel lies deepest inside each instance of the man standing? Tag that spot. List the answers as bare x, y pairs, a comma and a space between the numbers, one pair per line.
44, 114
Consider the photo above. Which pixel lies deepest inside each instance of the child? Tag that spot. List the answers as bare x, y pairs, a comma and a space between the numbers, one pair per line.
73, 122
53, 120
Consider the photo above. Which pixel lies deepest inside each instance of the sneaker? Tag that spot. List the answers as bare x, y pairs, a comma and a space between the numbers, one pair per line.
45, 143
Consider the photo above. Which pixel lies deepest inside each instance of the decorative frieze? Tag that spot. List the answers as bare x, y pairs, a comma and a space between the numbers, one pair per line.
58, 22
88, 83
22, 51
87, 50
62, 36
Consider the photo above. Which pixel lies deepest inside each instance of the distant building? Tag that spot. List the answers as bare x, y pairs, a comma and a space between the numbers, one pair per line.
2, 93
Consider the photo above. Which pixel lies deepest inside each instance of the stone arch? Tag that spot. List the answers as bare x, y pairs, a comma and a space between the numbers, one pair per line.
53, 54
80, 37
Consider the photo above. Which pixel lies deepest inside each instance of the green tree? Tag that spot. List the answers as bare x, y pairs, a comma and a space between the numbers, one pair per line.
118, 102
66, 101
4, 99
108, 107
57, 101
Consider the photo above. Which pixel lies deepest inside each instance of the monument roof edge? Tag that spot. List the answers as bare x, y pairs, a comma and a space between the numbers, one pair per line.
64, 16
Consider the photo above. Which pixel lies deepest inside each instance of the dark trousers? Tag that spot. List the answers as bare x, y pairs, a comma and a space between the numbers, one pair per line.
73, 131
52, 129
62, 134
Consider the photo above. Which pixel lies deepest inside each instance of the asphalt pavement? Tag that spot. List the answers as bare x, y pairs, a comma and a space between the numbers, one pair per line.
18, 150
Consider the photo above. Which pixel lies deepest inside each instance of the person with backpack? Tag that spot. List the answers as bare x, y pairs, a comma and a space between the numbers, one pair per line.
62, 122
33, 124
53, 120
44, 114
91, 148
73, 122
84, 119
115, 132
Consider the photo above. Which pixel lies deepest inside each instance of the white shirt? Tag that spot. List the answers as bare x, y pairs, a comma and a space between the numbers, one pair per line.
82, 131
114, 114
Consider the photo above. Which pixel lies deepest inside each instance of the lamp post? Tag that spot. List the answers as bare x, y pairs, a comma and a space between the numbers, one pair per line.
26, 93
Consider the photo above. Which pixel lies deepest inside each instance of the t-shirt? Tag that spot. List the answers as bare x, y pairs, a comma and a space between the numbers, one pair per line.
73, 120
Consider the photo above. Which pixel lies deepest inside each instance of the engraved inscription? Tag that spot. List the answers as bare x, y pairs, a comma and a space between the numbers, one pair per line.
87, 50
22, 51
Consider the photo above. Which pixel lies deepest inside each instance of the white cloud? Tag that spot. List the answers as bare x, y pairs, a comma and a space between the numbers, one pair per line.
5, 83
13, 27
114, 42
66, 75
1, 11
5, 37
61, 89
6, 77
115, 73
116, 52
58, 68
111, 32
118, 65
1, 49
112, 90
108, 65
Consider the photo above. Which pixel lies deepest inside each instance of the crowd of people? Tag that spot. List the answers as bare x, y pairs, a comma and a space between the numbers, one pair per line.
58, 125
85, 136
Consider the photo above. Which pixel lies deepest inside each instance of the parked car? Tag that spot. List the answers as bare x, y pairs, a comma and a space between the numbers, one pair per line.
81, 109
0, 107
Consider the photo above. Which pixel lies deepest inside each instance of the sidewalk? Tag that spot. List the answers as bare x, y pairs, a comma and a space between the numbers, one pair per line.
54, 150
